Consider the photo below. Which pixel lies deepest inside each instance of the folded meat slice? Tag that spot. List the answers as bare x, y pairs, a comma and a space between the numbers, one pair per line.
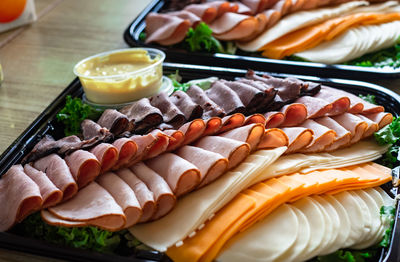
142, 115
170, 112
213, 126
225, 98
91, 129
51, 195
142, 193
273, 138
343, 136
255, 119
269, 91
316, 107
93, 205
372, 126
176, 139
295, 114
274, 119
193, 130
299, 138
181, 175
242, 8
123, 195
209, 11
211, 165
84, 167
354, 124
250, 134
235, 151
381, 118
166, 29
210, 108
127, 150
163, 195
19, 196
160, 146
186, 15
257, 6
107, 154
144, 144
190, 109
234, 26
58, 172
323, 137
231, 122
114, 121
340, 103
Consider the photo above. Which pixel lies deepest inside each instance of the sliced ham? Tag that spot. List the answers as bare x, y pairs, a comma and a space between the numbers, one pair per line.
163, 195
86, 207
142, 115
176, 139
382, 118
211, 10
142, 193
354, 124
243, 9
114, 121
231, 122
210, 108
181, 175
123, 195
107, 154
323, 137
316, 107
186, 15
160, 146
166, 29
233, 26
213, 125
274, 119
340, 103
58, 172
193, 130
298, 138
190, 109
294, 114
127, 150
211, 165
255, 119
250, 134
262, 22
84, 167
144, 144
372, 126
51, 195
343, 136
273, 138
19, 196
235, 151
225, 98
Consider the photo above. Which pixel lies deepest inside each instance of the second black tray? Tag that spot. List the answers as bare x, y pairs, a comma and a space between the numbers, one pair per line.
256, 62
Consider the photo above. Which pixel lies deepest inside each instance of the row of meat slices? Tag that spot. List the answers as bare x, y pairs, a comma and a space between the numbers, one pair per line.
170, 175
241, 21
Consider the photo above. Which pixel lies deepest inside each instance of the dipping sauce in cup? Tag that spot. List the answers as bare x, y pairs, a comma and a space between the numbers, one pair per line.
122, 75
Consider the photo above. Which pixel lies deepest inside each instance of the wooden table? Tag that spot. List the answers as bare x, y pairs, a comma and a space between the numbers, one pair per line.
38, 59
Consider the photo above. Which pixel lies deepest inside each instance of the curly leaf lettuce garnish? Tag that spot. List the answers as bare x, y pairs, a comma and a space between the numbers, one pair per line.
73, 113
348, 256
204, 83
387, 217
369, 98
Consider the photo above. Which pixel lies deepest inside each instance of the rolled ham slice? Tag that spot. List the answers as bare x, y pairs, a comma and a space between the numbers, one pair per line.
166, 29
354, 124
231, 122
235, 151
343, 136
142, 192
250, 134
127, 150
316, 107
232, 26
186, 15
51, 195
382, 118
176, 139
123, 195
84, 167
160, 146
144, 144
19, 196
340, 104
213, 126
58, 172
181, 175
273, 138
107, 154
255, 119
372, 126
323, 137
86, 207
274, 119
211, 10
211, 165
298, 138
193, 130
164, 198
295, 114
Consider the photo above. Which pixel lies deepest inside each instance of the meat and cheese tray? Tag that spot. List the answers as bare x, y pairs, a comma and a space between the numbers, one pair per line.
346, 39
234, 165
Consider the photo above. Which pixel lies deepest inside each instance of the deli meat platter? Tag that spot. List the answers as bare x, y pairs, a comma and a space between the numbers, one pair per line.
134, 36
46, 124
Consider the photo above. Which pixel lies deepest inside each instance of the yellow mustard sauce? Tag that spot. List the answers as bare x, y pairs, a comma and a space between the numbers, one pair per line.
120, 77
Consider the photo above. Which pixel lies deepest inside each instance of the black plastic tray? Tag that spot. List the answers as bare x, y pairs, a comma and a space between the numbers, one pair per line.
256, 62
46, 124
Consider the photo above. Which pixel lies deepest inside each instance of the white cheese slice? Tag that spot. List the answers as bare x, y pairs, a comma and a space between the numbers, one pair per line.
367, 219
265, 240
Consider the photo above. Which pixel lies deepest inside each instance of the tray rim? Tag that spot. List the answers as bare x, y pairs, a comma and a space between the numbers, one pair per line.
131, 35
41, 125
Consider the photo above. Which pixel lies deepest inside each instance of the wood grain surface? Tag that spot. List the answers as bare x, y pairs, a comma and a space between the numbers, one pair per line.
37, 61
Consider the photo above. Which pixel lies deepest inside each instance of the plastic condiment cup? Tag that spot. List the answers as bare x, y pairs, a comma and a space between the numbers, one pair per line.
122, 75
